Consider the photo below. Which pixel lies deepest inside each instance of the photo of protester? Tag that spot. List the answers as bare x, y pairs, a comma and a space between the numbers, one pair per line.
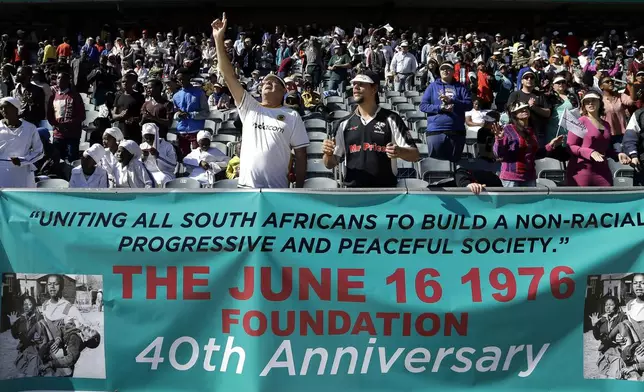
52, 325
614, 327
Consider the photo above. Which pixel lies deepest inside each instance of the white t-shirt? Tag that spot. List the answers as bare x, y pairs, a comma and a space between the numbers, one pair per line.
268, 135
476, 115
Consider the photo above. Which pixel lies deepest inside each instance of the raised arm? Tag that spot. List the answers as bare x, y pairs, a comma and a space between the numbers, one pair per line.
224, 64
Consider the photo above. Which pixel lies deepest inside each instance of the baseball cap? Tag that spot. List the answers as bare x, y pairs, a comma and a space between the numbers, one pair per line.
367, 76
273, 76
446, 64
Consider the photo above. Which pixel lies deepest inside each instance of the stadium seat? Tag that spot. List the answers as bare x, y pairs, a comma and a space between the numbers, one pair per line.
225, 184
414, 115
338, 114
433, 170
412, 183
317, 136
316, 124
231, 115
385, 105
314, 150
620, 170
390, 94
212, 125
224, 138
396, 99
320, 183
216, 116
422, 150
335, 106
406, 169
404, 107
52, 183
416, 100
421, 125
228, 128
220, 146
547, 183
411, 93
550, 169
623, 182
316, 168
333, 99
183, 183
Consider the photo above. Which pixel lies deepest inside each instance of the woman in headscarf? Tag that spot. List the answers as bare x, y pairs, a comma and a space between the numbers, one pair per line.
205, 162
89, 174
130, 171
20, 147
159, 156
590, 144
111, 139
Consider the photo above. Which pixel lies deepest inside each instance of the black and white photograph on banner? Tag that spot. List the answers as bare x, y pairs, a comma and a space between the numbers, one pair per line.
614, 327
51, 325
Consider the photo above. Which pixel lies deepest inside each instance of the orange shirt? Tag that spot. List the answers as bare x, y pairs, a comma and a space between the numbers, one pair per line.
64, 50
484, 90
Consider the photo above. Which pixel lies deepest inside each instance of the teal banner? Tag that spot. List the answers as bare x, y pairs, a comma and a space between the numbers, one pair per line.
317, 292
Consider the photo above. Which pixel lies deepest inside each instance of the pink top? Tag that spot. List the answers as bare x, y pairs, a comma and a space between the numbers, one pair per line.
593, 140
615, 107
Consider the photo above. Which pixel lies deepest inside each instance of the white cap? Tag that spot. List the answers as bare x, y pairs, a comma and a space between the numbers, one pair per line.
519, 106
591, 95
362, 78
14, 101
498, 35
204, 135
468, 36
404, 43
559, 79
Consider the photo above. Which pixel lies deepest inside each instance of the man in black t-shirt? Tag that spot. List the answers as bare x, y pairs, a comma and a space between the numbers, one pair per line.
539, 108
370, 139
127, 108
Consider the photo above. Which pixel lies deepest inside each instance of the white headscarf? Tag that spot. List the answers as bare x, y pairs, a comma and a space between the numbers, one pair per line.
151, 129
115, 133
132, 147
96, 152
14, 101
204, 135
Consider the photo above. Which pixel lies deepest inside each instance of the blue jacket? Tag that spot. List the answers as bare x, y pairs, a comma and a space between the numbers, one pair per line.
438, 120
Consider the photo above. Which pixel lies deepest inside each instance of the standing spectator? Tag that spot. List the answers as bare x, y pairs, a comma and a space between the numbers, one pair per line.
404, 66
64, 49
339, 65
591, 145
81, 68
49, 55
504, 86
157, 109
21, 147
445, 101
517, 147
66, 113
104, 79
127, 109
371, 139
615, 106
31, 97
20, 54
192, 110
40, 80
560, 101
313, 53
90, 174
270, 131
539, 109
633, 143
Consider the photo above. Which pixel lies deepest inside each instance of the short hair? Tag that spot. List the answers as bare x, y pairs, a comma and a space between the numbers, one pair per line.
59, 278
182, 71
155, 83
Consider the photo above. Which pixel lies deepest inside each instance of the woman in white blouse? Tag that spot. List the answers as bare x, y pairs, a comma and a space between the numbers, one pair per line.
89, 174
20, 147
159, 156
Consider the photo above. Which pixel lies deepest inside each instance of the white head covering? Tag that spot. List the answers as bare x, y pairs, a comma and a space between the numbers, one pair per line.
151, 129
14, 101
96, 152
115, 133
132, 147
204, 135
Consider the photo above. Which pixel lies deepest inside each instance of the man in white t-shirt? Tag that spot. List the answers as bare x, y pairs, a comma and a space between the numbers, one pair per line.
270, 131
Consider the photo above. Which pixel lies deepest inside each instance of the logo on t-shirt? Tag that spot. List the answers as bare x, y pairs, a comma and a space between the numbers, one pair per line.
272, 128
378, 127
280, 117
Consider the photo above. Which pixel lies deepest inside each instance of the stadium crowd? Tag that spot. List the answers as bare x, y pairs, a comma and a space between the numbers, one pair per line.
373, 106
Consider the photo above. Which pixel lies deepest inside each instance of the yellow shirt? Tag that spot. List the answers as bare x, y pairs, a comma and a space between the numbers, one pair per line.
230, 169
50, 53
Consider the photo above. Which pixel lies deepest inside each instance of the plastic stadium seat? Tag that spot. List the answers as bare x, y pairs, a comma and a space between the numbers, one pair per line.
335, 106
229, 128
211, 124
416, 100
220, 146
397, 99
320, 183
334, 99
316, 124
406, 169
225, 184
317, 136
551, 169
385, 105
316, 168
415, 115
314, 150
548, 183
412, 183
53, 183
224, 138
390, 94
338, 114
183, 183
432, 170
409, 94
421, 125
423, 150
620, 170
405, 107
623, 182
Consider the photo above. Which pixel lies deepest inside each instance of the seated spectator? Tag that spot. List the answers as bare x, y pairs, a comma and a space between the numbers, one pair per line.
590, 145
204, 162
445, 101
232, 169
310, 97
371, 139
130, 172
100, 125
21, 147
49, 165
474, 118
90, 174
219, 99
158, 155
111, 139
517, 147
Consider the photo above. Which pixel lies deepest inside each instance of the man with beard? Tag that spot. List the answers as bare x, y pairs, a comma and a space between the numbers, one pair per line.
270, 130
371, 139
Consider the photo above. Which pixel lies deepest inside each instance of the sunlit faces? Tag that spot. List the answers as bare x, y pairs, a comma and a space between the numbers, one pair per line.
362, 90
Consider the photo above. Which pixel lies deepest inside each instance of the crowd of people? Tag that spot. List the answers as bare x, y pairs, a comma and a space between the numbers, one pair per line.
152, 99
